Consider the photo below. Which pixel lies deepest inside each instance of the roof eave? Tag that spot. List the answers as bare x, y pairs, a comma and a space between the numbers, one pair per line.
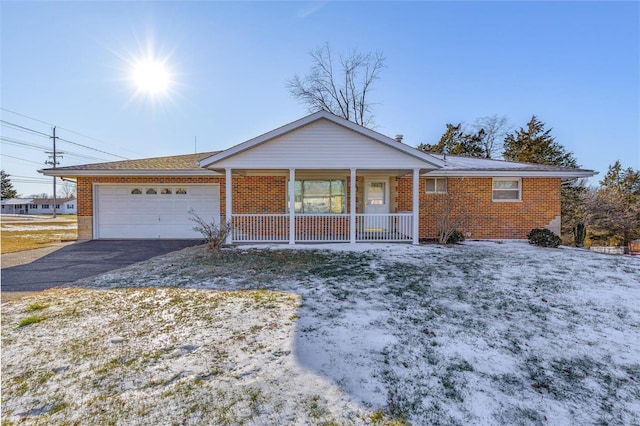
130, 172
573, 174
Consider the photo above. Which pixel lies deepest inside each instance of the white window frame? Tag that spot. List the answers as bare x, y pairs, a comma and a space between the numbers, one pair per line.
510, 200
300, 196
435, 185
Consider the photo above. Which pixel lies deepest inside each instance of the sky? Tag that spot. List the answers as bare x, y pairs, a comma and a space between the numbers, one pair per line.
575, 65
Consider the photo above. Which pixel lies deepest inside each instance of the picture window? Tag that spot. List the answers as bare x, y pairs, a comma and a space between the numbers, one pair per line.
319, 196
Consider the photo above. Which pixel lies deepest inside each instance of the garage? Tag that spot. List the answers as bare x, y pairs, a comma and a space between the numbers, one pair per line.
152, 210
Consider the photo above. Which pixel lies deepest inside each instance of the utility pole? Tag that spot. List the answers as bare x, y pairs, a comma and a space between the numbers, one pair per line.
53, 155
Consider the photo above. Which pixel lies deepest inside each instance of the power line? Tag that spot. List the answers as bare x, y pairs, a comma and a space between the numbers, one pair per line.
88, 147
22, 143
21, 159
68, 130
26, 116
31, 145
26, 129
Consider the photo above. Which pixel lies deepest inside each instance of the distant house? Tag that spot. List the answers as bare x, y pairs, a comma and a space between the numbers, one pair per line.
39, 206
318, 179
16, 205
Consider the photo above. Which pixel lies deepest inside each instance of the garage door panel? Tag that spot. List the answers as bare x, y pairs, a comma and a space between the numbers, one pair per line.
121, 214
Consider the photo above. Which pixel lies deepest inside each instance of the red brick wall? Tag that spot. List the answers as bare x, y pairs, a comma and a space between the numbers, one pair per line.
470, 201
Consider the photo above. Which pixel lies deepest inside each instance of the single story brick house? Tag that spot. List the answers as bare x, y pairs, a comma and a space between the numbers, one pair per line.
39, 205
349, 184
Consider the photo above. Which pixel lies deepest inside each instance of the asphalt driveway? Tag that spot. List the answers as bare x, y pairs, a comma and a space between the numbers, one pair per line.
82, 260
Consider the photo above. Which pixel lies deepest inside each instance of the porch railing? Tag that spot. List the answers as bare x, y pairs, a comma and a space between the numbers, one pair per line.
384, 227
255, 228
322, 227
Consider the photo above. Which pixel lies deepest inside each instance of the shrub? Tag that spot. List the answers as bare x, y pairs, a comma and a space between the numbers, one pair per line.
455, 237
579, 234
215, 235
543, 238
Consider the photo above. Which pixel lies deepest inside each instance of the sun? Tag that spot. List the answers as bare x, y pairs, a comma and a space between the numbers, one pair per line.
151, 76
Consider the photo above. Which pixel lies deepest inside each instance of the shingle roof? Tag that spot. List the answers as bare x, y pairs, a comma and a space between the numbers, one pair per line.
174, 162
50, 200
461, 163
176, 165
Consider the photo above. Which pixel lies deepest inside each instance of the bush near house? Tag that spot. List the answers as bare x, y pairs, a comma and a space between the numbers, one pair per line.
455, 237
543, 238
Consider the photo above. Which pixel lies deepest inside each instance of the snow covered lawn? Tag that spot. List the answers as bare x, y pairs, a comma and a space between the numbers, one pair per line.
481, 333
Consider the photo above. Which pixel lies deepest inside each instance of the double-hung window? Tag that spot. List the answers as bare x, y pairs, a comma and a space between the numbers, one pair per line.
319, 196
436, 185
507, 189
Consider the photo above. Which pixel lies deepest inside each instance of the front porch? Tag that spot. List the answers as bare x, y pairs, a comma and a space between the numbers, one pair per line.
348, 206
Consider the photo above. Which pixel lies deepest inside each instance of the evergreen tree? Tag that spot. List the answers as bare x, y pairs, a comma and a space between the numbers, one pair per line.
455, 141
7, 187
613, 210
626, 182
536, 145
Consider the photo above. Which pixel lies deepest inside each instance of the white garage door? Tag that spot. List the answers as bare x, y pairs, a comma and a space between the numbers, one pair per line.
153, 211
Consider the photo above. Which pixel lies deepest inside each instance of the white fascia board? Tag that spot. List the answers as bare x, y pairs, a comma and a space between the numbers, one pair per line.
510, 173
76, 173
436, 162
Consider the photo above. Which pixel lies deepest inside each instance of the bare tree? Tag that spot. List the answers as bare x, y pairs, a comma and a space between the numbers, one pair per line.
342, 88
450, 212
67, 189
491, 131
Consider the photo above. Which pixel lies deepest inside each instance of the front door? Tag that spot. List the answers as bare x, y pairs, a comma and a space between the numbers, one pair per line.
376, 196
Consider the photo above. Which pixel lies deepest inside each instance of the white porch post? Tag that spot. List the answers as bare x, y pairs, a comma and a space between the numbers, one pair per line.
416, 206
292, 206
352, 207
228, 202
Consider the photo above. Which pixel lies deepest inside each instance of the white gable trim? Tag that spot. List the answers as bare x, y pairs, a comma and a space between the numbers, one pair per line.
251, 143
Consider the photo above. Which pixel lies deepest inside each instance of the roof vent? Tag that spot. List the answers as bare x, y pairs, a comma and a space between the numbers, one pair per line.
399, 138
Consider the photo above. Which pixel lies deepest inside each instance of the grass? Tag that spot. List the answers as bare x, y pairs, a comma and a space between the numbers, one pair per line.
136, 356
30, 320
36, 307
37, 236
421, 335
